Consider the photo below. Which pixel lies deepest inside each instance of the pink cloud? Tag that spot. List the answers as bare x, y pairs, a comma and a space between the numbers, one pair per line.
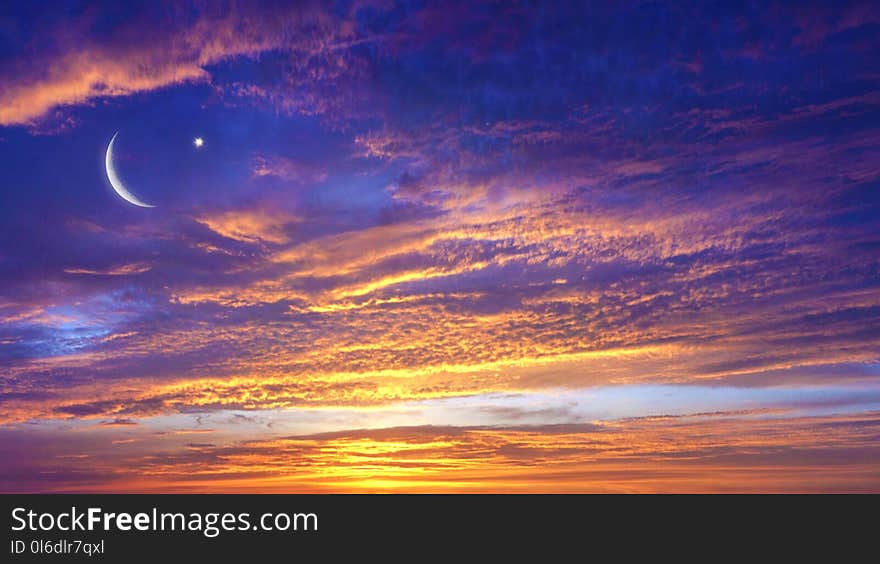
146, 57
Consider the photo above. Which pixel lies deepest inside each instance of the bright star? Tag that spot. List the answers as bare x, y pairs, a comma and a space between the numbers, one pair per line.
198, 142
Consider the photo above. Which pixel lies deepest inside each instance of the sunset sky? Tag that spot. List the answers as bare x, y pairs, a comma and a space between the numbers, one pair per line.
440, 246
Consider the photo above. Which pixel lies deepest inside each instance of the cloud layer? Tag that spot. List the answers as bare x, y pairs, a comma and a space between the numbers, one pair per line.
708, 453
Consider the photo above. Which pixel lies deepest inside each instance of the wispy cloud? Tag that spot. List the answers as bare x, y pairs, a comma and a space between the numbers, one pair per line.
122, 270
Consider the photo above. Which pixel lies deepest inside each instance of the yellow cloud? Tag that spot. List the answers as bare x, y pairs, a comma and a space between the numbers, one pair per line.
250, 226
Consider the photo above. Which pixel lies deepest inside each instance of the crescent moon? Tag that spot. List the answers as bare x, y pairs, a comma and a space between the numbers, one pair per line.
115, 181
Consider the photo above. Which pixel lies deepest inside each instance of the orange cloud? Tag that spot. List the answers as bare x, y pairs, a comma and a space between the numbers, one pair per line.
703, 453
250, 226
148, 57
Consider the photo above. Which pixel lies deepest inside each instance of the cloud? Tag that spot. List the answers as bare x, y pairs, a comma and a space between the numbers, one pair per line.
122, 270
86, 66
742, 453
250, 226
118, 423
287, 169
